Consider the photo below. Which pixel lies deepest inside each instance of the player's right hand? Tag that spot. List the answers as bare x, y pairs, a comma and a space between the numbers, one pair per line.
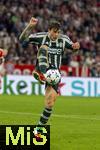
33, 22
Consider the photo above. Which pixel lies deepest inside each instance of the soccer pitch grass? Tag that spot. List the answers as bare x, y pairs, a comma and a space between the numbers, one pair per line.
75, 122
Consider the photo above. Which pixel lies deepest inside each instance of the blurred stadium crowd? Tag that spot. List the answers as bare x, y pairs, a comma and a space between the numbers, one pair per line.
79, 19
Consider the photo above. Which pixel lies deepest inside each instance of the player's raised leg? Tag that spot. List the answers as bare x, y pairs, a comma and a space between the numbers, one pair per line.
42, 57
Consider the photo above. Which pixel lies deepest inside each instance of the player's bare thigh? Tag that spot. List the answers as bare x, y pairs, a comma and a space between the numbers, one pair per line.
50, 97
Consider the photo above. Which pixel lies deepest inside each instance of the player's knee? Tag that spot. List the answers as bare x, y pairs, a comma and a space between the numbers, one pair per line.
43, 51
44, 47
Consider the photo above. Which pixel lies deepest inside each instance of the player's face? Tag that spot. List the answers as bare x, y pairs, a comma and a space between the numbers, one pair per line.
54, 33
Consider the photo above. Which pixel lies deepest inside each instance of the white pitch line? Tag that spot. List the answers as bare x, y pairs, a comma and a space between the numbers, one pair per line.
81, 117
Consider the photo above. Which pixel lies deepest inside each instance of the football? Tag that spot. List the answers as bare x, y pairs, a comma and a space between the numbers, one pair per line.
53, 76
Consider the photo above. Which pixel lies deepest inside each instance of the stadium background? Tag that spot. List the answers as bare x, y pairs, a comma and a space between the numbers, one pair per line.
76, 120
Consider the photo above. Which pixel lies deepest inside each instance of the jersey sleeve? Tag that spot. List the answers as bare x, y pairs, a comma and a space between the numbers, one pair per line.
67, 42
35, 38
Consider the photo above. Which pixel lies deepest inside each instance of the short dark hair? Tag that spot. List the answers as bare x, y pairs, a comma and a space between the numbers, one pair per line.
54, 24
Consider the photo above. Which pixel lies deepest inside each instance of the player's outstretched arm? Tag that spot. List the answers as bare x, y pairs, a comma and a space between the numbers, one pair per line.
69, 44
28, 29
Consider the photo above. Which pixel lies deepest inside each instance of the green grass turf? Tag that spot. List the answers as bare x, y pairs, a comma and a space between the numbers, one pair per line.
75, 122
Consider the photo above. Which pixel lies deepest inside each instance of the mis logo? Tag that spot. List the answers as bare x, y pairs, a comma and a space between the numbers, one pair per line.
22, 137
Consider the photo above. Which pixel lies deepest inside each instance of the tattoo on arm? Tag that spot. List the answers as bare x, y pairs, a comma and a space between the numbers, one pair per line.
24, 35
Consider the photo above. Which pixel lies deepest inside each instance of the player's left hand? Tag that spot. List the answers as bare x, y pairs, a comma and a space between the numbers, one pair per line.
76, 46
